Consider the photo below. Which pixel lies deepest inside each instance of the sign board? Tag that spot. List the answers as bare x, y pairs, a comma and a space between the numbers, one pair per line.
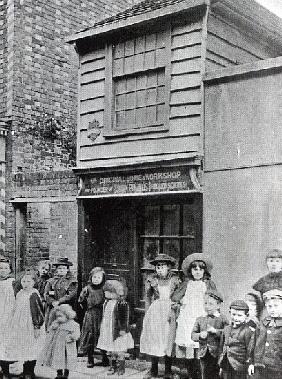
156, 180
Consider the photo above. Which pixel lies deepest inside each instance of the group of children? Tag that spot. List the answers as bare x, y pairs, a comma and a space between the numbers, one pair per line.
182, 322
37, 320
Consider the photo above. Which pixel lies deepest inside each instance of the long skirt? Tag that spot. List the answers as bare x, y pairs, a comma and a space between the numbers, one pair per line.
90, 330
155, 337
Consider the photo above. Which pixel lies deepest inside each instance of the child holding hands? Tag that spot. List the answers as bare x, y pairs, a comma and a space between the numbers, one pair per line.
60, 351
207, 331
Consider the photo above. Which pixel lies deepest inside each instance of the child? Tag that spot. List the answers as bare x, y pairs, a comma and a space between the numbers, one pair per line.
155, 338
44, 274
24, 334
268, 339
274, 277
115, 337
189, 299
236, 343
60, 351
93, 295
255, 308
207, 331
62, 289
7, 301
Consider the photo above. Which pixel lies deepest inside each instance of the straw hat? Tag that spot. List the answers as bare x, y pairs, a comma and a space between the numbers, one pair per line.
196, 257
163, 258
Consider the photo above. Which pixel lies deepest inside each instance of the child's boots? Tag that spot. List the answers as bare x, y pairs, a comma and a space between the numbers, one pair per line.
121, 366
59, 374
113, 366
90, 361
66, 374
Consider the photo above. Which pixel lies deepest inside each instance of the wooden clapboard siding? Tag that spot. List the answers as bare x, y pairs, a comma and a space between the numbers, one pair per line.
185, 121
90, 117
139, 148
179, 126
92, 90
185, 98
228, 45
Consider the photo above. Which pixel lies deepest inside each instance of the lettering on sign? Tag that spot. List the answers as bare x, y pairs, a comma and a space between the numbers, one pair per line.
142, 181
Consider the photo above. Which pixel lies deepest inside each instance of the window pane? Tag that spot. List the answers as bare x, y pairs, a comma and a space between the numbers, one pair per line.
151, 115
118, 66
130, 84
130, 100
130, 119
152, 220
120, 102
151, 249
150, 59
139, 62
151, 96
120, 119
188, 221
150, 42
161, 78
141, 98
141, 117
189, 247
129, 47
140, 44
120, 86
119, 50
171, 247
141, 81
152, 80
171, 215
129, 65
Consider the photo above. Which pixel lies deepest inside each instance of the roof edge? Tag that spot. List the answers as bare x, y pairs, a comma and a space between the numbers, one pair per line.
244, 70
252, 14
137, 20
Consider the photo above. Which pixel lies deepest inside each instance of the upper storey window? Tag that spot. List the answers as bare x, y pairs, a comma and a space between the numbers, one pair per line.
137, 84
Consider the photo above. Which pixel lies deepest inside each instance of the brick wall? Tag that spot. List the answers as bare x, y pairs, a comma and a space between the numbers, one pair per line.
39, 90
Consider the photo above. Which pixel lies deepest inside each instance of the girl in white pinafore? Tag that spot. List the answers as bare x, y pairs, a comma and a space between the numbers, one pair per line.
156, 338
188, 299
7, 302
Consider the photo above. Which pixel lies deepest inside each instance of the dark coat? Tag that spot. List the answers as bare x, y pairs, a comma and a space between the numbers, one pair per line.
212, 342
94, 298
36, 309
61, 289
237, 345
268, 344
268, 282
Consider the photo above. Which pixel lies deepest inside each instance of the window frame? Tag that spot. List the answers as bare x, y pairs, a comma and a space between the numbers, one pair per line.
109, 130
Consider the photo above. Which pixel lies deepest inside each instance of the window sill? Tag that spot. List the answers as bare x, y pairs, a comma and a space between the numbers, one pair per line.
114, 133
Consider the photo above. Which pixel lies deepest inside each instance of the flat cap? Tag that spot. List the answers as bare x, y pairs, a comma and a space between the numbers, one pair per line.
273, 294
274, 253
240, 305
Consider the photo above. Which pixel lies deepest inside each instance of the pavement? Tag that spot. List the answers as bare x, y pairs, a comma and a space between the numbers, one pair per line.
97, 372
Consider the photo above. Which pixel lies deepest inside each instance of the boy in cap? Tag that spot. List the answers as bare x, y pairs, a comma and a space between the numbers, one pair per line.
274, 277
207, 331
268, 339
236, 343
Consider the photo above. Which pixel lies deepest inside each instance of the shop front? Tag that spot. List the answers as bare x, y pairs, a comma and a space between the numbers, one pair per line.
128, 217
